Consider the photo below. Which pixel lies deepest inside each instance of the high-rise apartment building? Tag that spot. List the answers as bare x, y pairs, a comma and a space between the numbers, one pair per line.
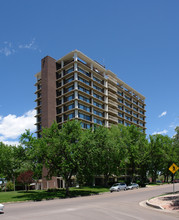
77, 87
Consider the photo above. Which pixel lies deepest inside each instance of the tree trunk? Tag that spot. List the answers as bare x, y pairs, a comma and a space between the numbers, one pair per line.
67, 187
106, 179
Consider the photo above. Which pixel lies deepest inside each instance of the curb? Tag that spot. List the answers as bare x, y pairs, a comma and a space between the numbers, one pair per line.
154, 206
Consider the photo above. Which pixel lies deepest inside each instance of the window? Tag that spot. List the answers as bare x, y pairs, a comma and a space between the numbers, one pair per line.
98, 121
39, 102
135, 102
39, 86
83, 71
83, 89
97, 104
38, 95
141, 124
127, 97
141, 105
120, 121
39, 127
84, 125
98, 113
38, 110
69, 79
135, 121
69, 70
127, 111
84, 98
127, 104
127, 124
142, 112
59, 110
84, 81
120, 93
134, 114
59, 119
98, 88
58, 75
120, 114
69, 107
136, 109
58, 84
120, 100
70, 116
97, 96
84, 107
69, 98
120, 107
83, 116
69, 89
97, 80
142, 118
128, 118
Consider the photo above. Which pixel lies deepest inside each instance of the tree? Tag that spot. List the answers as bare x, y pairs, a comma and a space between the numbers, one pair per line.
34, 158
136, 141
25, 178
118, 141
61, 149
12, 159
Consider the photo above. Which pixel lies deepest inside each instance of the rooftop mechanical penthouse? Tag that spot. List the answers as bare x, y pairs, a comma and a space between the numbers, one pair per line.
77, 87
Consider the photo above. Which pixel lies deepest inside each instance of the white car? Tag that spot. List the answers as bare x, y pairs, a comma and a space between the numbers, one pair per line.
1, 207
132, 186
118, 186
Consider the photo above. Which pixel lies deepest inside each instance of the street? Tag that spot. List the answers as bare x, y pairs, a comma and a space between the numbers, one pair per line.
122, 205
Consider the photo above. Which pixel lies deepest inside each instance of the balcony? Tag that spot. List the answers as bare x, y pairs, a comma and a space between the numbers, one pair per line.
112, 95
110, 102
111, 79
114, 119
112, 110
111, 87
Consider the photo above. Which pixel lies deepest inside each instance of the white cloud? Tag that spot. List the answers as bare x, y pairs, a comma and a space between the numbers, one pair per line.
30, 45
12, 126
160, 132
162, 114
7, 49
12, 143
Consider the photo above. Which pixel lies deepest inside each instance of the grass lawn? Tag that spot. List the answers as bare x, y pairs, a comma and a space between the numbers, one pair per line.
38, 195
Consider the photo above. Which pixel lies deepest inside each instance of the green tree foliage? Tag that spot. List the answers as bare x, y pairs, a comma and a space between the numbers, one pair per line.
33, 154
162, 155
62, 150
11, 159
137, 153
70, 151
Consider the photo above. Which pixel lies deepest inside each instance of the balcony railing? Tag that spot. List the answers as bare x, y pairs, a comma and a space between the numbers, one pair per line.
114, 111
114, 96
112, 118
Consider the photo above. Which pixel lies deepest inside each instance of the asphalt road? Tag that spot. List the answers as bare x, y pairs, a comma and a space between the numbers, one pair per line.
123, 205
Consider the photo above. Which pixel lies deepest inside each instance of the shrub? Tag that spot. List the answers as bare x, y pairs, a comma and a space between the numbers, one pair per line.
9, 186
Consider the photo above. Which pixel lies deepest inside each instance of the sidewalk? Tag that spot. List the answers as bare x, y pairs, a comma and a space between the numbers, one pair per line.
168, 202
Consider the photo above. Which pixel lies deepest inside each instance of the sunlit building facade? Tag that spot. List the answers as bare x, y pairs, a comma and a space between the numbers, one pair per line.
77, 87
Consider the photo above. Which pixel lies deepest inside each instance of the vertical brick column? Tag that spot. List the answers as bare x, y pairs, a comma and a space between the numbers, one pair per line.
48, 77
48, 71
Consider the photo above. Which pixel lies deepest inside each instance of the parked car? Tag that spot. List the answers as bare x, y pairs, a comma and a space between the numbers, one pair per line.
133, 186
117, 187
1, 207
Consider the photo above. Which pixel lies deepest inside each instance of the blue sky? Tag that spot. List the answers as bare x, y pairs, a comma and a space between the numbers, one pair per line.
137, 40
